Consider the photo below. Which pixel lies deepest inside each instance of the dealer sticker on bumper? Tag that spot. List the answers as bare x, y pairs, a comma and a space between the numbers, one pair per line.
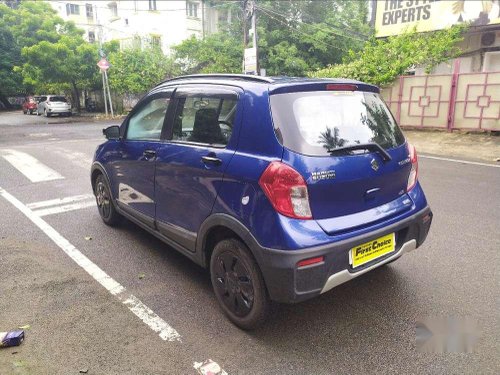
369, 251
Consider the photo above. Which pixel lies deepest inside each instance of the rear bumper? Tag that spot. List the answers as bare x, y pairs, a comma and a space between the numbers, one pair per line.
286, 283
59, 110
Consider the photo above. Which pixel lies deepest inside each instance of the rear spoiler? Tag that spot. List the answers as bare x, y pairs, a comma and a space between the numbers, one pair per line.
327, 85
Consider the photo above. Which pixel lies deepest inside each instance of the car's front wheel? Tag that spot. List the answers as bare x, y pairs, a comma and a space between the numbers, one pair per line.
45, 113
104, 201
238, 284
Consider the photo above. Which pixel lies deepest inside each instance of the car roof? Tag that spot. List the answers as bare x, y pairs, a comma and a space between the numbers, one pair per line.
275, 84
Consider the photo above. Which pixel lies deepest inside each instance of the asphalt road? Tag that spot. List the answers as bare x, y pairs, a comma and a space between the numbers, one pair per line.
366, 326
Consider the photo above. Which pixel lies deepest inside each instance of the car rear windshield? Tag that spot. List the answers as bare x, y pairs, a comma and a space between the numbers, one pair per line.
315, 123
57, 99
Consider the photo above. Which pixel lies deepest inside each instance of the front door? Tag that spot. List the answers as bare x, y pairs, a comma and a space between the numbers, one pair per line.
134, 171
191, 164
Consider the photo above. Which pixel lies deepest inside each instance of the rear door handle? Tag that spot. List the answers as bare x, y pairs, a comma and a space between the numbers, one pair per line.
149, 154
211, 160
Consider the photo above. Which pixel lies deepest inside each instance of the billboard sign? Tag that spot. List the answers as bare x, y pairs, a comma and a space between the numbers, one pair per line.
393, 17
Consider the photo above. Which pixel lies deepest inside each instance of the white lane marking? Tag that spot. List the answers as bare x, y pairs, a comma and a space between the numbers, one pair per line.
78, 158
459, 161
65, 208
56, 202
153, 321
31, 167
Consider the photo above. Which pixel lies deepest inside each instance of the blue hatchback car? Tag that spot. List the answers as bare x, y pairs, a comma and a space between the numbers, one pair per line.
282, 187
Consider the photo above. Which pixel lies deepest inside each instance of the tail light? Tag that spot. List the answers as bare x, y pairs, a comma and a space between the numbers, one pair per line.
310, 261
287, 190
412, 178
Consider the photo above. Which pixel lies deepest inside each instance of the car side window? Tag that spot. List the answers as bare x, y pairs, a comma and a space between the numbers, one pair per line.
147, 123
205, 118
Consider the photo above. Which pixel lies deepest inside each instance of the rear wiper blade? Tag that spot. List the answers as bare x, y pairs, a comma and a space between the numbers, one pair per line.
374, 147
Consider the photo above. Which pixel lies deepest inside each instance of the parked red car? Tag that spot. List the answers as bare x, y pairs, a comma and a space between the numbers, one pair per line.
30, 104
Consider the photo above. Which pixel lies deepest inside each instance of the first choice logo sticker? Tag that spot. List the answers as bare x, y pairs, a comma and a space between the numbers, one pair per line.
369, 251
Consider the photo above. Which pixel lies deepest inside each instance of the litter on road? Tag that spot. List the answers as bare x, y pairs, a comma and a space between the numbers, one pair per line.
12, 338
209, 367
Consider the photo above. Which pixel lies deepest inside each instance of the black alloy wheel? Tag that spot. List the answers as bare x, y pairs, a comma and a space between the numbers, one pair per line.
104, 202
234, 283
238, 284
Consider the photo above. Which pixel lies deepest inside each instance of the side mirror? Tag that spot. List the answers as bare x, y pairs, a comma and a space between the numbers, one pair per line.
112, 132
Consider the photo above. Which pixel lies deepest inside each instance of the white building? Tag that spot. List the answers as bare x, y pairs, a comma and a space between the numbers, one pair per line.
140, 23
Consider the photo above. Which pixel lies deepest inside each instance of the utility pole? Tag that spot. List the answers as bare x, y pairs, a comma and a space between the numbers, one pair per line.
251, 55
245, 34
254, 27
101, 54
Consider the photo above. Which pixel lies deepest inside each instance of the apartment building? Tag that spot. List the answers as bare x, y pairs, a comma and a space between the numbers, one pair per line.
142, 23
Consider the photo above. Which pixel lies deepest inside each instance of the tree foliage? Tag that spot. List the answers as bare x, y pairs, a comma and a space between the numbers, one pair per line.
217, 53
136, 71
382, 60
295, 36
44, 53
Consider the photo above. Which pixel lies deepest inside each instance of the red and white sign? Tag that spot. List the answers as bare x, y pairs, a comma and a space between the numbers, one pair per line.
103, 64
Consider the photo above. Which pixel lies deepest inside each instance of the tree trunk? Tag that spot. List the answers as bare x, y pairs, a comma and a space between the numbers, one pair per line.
76, 96
4, 102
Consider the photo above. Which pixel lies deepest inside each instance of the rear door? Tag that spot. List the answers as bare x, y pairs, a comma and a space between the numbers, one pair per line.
347, 188
191, 163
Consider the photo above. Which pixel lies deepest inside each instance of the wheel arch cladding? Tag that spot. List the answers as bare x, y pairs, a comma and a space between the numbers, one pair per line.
221, 226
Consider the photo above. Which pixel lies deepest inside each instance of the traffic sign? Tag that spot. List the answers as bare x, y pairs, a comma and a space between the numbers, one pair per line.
103, 64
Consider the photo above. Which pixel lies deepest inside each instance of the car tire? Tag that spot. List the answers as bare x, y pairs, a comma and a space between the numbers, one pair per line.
45, 113
238, 284
105, 204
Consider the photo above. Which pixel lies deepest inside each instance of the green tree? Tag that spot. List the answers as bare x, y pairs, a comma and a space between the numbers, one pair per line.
320, 33
136, 70
216, 53
382, 60
43, 52
295, 37
10, 54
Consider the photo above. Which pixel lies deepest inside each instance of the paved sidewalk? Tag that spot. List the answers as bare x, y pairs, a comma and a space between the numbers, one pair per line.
481, 147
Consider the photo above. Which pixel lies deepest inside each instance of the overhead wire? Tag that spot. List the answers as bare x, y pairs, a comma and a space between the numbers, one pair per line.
329, 30
301, 32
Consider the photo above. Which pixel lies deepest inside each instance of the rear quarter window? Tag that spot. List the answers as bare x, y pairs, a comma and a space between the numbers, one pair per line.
314, 123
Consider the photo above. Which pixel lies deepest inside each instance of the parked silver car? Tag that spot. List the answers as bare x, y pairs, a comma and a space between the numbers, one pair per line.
53, 105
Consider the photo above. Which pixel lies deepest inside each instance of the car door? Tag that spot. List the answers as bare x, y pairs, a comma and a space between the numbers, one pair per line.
191, 162
133, 169
40, 105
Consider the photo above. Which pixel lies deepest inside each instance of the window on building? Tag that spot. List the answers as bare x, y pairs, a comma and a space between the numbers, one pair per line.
89, 10
192, 9
156, 41
72, 9
152, 4
136, 42
224, 16
113, 8
91, 37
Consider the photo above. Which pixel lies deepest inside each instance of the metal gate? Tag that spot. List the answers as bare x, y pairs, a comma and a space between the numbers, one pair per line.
446, 101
